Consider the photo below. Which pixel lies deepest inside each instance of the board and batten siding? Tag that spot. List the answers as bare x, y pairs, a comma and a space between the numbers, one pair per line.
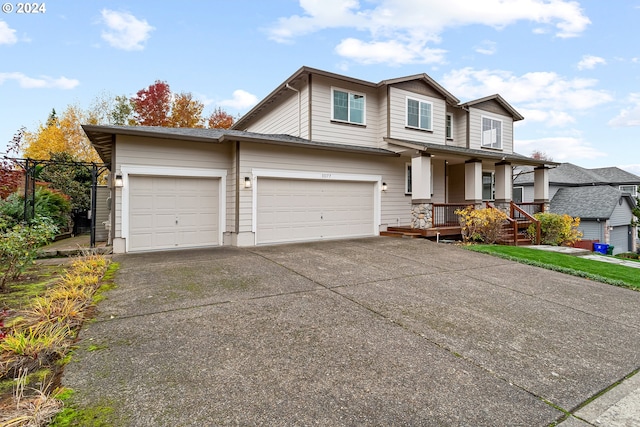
396, 205
398, 118
140, 151
324, 129
475, 130
282, 118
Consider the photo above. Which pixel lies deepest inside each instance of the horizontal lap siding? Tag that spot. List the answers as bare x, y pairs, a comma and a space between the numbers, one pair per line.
395, 205
592, 230
621, 214
398, 118
323, 129
175, 153
282, 117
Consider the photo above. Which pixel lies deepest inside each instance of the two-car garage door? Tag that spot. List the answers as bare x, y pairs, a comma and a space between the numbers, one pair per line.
167, 212
290, 210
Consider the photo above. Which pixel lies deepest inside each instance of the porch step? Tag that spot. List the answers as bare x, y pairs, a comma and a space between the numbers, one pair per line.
400, 234
428, 232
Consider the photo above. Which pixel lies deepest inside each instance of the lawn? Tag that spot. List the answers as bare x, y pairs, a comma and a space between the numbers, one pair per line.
613, 274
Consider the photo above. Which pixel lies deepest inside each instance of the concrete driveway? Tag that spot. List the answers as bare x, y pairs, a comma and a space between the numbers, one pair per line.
374, 331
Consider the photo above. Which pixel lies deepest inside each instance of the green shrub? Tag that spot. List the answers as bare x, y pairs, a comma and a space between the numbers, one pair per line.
556, 229
481, 225
48, 203
19, 246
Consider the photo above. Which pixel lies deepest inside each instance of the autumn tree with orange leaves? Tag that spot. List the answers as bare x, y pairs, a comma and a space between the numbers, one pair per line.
220, 119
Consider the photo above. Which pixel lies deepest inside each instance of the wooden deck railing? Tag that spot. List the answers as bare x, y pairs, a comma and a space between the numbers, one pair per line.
519, 215
444, 214
531, 208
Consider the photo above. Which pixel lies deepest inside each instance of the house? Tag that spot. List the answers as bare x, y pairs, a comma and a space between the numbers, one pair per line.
323, 156
603, 199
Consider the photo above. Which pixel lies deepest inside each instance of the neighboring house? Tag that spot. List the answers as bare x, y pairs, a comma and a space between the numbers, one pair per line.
603, 198
323, 156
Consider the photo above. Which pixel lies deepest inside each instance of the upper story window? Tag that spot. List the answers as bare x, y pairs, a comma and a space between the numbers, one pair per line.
348, 107
449, 127
631, 189
491, 133
419, 114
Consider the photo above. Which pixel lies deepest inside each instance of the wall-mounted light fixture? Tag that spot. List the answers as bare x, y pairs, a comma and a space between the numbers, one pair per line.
118, 182
384, 186
247, 182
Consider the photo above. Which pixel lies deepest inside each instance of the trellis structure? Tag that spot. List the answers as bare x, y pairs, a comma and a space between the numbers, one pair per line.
30, 167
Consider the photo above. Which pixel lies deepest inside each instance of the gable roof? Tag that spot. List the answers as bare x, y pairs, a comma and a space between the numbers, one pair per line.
568, 174
593, 202
102, 137
305, 71
500, 100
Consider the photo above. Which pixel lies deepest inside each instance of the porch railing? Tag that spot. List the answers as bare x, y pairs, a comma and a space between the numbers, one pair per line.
530, 208
444, 214
521, 216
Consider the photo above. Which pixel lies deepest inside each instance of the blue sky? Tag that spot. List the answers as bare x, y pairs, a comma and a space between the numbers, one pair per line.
572, 68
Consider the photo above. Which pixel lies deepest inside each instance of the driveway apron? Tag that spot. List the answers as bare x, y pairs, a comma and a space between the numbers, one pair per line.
372, 331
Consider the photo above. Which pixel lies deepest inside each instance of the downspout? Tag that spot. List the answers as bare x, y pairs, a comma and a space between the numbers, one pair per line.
288, 86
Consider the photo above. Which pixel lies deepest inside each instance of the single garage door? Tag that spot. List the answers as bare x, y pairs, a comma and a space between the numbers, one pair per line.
290, 210
172, 212
620, 239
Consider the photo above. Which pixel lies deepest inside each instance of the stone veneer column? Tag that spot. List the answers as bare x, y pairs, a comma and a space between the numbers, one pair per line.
421, 206
421, 215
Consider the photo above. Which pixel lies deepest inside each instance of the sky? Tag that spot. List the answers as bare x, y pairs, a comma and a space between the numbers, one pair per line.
571, 68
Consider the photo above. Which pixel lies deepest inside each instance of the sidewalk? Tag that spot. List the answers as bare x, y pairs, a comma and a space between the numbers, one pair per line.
73, 246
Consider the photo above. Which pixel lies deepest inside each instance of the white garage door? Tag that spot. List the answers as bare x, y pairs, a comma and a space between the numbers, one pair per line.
172, 212
290, 210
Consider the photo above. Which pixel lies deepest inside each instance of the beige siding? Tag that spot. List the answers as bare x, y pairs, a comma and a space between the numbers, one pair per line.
398, 118
103, 209
395, 204
326, 130
289, 116
439, 182
459, 128
475, 137
175, 153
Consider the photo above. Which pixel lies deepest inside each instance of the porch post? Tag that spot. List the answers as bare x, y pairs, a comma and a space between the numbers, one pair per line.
541, 185
473, 181
504, 185
421, 206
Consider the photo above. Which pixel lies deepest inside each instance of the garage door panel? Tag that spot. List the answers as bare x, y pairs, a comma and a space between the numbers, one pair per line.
297, 210
173, 212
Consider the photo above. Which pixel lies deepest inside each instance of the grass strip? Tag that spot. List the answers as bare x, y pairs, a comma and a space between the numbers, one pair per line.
612, 274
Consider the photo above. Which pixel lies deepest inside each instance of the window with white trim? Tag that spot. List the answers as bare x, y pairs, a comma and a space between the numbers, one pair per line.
449, 126
518, 194
348, 107
491, 133
631, 189
419, 114
488, 186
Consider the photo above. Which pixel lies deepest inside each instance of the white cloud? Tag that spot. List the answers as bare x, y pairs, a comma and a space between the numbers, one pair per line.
561, 148
629, 116
27, 82
634, 169
125, 31
487, 47
241, 100
7, 34
415, 24
589, 62
388, 52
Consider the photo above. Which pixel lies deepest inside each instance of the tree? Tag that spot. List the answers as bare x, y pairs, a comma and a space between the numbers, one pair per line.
541, 155
219, 119
74, 181
122, 112
186, 112
61, 135
11, 178
152, 106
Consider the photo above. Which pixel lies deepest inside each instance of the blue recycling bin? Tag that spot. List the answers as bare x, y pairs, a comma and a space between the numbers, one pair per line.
601, 248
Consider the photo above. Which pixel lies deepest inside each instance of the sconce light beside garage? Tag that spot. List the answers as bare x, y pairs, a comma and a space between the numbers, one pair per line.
119, 183
247, 182
384, 186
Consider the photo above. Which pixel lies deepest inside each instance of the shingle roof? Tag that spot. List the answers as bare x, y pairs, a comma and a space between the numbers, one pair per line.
573, 175
102, 138
591, 202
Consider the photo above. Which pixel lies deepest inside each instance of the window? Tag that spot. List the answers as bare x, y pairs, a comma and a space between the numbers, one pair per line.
491, 133
419, 114
407, 181
631, 189
449, 126
518, 194
348, 107
488, 183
